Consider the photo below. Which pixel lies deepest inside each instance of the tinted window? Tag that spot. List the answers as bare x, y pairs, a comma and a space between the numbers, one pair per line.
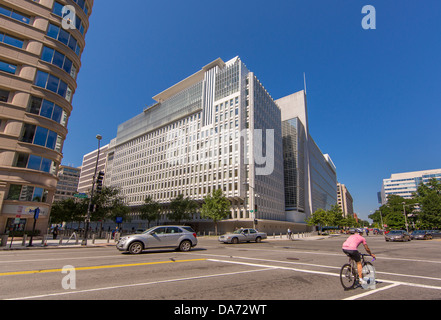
160, 230
173, 230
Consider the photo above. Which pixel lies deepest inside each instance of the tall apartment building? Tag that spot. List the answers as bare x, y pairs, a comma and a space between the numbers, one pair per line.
67, 186
310, 177
40, 57
199, 137
345, 200
406, 184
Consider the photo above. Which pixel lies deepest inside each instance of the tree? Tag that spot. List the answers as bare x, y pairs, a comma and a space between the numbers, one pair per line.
428, 197
182, 208
393, 212
321, 218
216, 207
150, 210
69, 210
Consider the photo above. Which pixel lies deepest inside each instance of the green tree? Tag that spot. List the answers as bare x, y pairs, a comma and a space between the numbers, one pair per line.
393, 212
428, 196
69, 210
182, 208
321, 218
150, 210
216, 207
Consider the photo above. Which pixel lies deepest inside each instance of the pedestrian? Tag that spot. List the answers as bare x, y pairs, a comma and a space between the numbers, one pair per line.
55, 233
289, 233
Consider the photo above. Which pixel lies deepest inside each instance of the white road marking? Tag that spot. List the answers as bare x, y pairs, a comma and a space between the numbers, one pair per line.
136, 285
368, 293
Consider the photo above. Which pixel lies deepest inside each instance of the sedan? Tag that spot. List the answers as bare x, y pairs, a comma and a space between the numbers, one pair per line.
243, 235
397, 235
421, 235
182, 238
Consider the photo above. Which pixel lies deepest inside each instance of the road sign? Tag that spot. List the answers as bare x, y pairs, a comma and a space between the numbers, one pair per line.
80, 195
36, 213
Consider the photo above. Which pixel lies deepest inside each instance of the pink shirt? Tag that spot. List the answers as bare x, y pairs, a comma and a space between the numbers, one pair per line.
353, 242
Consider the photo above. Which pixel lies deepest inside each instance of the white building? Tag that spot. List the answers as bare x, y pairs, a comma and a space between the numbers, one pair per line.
310, 176
88, 168
406, 184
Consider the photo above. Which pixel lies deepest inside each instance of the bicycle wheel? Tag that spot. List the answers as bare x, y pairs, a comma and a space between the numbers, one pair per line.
348, 277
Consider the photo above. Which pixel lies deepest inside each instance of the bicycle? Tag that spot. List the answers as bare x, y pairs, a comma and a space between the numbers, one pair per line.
349, 272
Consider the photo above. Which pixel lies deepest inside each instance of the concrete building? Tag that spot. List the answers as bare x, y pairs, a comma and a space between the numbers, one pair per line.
310, 177
88, 168
344, 200
67, 186
406, 183
40, 57
217, 129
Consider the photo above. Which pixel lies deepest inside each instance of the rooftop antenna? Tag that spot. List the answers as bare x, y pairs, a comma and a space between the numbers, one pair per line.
304, 81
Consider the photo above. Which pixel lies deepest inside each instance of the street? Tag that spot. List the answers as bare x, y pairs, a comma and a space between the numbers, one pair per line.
271, 270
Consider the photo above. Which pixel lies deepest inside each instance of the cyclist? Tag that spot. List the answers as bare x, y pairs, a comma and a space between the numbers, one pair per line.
350, 248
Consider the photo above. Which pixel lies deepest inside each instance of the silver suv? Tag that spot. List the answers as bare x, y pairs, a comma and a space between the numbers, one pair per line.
182, 238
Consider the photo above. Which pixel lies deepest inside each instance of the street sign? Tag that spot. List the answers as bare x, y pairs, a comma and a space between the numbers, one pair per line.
119, 220
80, 195
36, 213
17, 219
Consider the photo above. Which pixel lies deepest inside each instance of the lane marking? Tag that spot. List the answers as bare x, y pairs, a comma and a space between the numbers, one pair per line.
97, 267
138, 284
368, 293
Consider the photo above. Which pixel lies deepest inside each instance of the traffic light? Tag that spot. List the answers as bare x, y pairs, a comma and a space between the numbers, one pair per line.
99, 181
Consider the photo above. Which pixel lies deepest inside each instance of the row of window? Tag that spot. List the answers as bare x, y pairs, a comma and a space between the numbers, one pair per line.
12, 41
52, 83
14, 14
41, 136
64, 37
60, 60
27, 193
8, 67
30, 161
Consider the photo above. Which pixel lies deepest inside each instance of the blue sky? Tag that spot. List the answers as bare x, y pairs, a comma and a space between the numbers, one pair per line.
374, 96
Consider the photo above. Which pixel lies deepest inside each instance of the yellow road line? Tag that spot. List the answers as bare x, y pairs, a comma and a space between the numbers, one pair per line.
96, 267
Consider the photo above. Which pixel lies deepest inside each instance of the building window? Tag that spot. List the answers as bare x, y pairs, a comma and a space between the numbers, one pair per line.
41, 136
8, 67
54, 84
4, 95
60, 60
27, 193
12, 41
64, 37
14, 14
47, 109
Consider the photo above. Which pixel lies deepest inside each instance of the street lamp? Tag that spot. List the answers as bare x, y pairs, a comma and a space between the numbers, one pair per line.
405, 217
86, 231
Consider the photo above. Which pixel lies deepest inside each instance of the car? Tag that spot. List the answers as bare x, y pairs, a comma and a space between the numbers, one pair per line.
421, 235
181, 238
243, 235
435, 233
397, 235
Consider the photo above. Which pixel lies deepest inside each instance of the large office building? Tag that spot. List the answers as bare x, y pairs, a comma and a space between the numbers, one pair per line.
92, 161
67, 186
406, 184
40, 57
220, 129
310, 177
217, 129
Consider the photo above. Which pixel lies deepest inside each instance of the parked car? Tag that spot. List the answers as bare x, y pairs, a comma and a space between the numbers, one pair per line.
435, 233
243, 235
421, 235
182, 238
397, 235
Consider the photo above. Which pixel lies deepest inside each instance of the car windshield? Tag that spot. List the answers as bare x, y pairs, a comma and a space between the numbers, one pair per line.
396, 232
148, 230
419, 231
239, 231
188, 229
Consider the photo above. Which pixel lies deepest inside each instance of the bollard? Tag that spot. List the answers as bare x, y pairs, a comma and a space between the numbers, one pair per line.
108, 237
61, 240
93, 238
4, 240
23, 242
77, 239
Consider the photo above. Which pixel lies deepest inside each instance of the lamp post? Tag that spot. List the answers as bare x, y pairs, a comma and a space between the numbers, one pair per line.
86, 231
405, 216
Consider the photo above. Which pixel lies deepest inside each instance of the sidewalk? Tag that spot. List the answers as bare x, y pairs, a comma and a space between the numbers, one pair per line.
37, 243
69, 244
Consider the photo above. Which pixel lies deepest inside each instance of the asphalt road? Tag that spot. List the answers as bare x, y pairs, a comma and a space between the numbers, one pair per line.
245, 273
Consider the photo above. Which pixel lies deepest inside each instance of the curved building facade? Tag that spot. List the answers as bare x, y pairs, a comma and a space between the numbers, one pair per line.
41, 43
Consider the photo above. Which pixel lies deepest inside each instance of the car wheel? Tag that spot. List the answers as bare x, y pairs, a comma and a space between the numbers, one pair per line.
136, 247
258, 239
185, 246
235, 241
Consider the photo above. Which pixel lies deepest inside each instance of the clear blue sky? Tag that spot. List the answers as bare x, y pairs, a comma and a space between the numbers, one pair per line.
374, 96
